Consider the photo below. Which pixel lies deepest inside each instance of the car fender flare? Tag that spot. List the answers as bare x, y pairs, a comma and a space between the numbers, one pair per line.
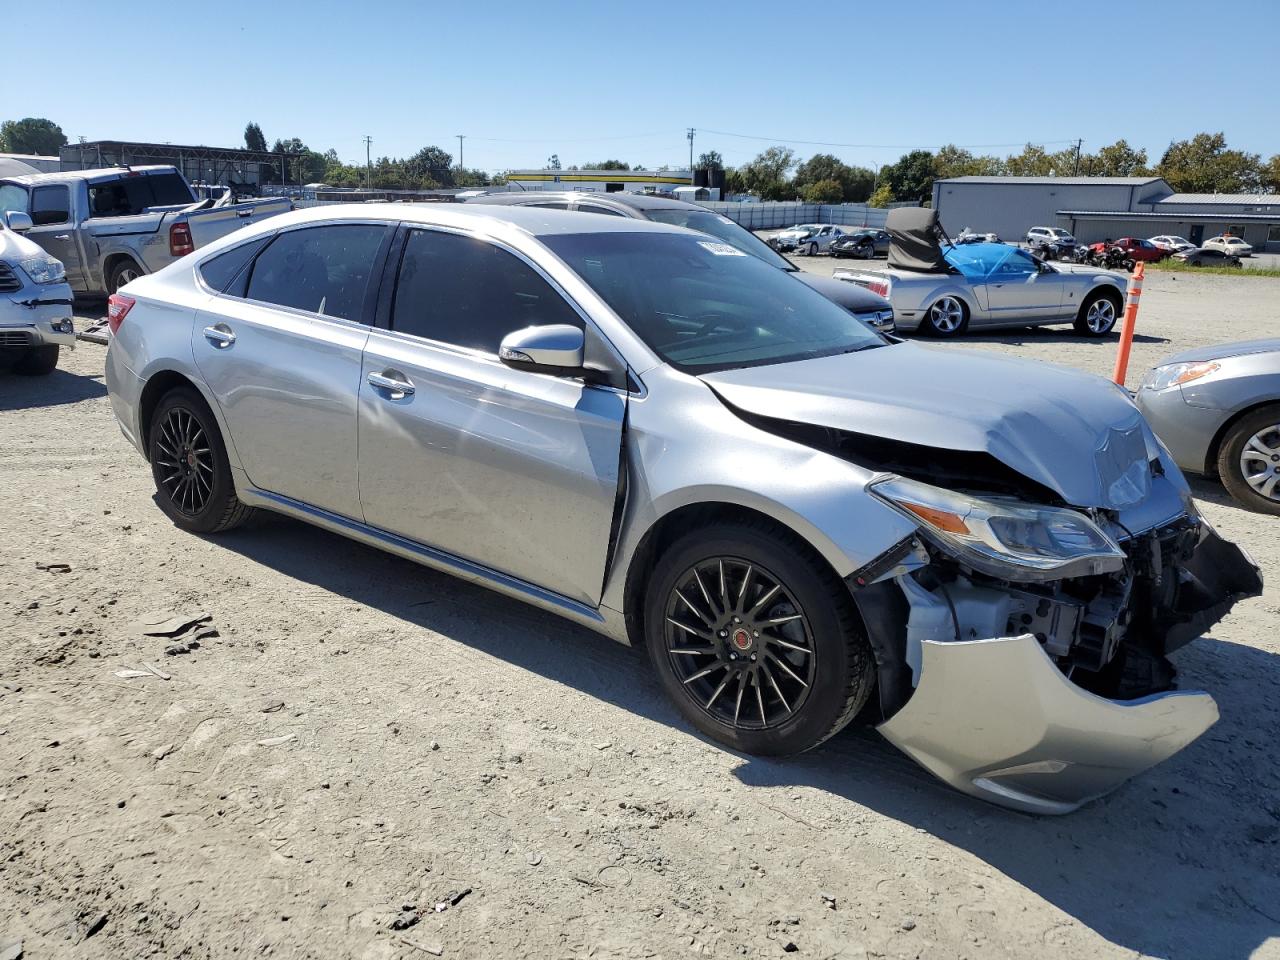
188, 371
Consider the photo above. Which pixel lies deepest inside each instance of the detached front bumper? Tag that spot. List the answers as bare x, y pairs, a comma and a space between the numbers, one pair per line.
996, 719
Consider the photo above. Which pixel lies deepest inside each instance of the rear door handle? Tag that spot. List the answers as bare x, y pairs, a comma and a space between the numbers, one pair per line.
62, 236
393, 382
244, 213
220, 335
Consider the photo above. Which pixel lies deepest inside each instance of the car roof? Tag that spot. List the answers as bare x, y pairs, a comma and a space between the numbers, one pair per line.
636, 201
34, 179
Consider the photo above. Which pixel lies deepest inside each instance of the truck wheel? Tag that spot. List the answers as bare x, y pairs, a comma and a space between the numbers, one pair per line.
38, 361
122, 272
1249, 460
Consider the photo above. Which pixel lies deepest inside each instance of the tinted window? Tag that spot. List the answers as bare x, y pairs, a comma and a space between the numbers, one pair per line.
552, 205
131, 194
470, 293
704, 305
324, 270
219, 272
595, 208
50, 205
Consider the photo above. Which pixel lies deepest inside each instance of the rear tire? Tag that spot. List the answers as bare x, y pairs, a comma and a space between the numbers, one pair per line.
190, 467
756, 688
1098, 315
813, 250
1249, 460
38, 361
122, 272
946, 317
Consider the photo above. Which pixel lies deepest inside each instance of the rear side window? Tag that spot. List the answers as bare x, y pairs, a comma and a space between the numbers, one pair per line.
131, 194
595, 208
50, 205
470, 293
324, 270
226, 272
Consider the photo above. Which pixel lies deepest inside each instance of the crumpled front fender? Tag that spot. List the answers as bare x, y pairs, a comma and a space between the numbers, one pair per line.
996, 719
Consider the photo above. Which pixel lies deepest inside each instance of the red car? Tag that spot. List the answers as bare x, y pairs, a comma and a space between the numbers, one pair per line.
1135, 249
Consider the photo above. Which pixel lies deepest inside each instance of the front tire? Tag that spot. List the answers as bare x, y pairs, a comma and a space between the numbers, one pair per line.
947, 317
1249, 460
755, 639
813, 250
190, 467
38, 361
1097, 315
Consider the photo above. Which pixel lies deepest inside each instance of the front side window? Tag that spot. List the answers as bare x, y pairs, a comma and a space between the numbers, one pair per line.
13, 198
324, 270
703, 305
470, 293
50, 205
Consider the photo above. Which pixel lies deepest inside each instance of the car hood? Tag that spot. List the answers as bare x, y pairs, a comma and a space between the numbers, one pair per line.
848, 295
15, 247
1221, 351
1074, 433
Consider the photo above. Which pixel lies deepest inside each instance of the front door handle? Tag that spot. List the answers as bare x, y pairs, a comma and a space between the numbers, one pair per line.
220, 335
62, 236
393, 382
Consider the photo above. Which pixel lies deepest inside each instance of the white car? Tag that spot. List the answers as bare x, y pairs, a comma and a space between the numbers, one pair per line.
1172, 244
1232, 246
35, 302
808, 238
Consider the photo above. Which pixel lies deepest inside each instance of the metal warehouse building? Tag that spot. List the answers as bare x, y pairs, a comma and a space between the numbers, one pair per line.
602, 181
1095, 208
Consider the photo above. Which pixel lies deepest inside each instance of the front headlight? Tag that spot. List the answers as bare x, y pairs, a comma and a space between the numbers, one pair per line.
1174, 374
44, 269
1005, 538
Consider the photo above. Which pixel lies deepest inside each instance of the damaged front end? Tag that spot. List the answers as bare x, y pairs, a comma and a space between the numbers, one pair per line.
1036, 675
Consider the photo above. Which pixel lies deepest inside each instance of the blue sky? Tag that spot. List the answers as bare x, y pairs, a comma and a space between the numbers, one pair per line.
592, 80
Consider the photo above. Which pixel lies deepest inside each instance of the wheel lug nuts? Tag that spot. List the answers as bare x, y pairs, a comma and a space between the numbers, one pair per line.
753, 656
737, 619
756, 634
733, 656
724, 633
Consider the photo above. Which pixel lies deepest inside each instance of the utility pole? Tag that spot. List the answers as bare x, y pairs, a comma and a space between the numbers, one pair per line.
461, 137
368, 163
1079, 143
690, 136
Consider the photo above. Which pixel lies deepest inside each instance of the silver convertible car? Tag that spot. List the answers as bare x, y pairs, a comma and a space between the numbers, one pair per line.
944, 289
651, 433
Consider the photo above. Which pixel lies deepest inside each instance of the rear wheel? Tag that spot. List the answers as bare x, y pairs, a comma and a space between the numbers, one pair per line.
947, 317
122, 272
1249, 460
813, 250
38, 361
1097, 315
755, 639
190, 467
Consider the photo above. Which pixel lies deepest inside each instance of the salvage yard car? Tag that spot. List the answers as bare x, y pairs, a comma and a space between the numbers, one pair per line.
871, 308
807, 238
862, 244
944, 289
1231, 246
35, 302
109, 226
1206, 257
653, 434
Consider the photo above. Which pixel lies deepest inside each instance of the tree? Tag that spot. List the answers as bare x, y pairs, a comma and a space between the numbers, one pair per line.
824, 191
882, 197
766, 175
253, 137
431, 163
1117, 160
952, 161
607, 165
1271, 174
31, 135
710, 160
1203, 164
553, 162
911, 178
855, 183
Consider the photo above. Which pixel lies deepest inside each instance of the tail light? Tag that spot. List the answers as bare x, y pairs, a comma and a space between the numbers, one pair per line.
180, 243
878, 286
118, 307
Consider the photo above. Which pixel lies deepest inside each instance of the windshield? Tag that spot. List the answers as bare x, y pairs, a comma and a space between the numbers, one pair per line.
703, 305
1054, 231
704, 221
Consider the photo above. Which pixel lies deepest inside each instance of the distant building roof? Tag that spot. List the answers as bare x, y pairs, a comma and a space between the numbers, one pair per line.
1184, 216
1071, 181
1257, 199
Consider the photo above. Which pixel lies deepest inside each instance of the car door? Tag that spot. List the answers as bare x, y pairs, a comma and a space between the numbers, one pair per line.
1018, 289
281, 349
513, 470
54, 229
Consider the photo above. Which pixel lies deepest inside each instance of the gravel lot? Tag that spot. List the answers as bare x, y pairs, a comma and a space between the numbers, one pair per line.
366, 744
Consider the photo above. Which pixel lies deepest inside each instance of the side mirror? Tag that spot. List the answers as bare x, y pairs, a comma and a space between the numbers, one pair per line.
556, 349
18, 221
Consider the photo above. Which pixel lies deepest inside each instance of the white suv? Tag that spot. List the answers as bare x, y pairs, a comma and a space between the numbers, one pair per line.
1051, 235
1232, 246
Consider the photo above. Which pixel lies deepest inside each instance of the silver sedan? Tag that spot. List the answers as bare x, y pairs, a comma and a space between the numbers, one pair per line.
1217, 409
655, 435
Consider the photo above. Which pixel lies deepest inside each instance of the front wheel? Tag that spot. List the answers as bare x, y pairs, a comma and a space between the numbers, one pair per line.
1249, 460
1098, 314
190, 467
38, 361
948, 317
813, 250
756, 639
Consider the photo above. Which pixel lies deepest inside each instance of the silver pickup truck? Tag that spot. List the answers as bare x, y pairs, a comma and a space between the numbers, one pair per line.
110, 226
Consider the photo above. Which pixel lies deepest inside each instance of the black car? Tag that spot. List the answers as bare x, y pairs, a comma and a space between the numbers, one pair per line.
1206, 257
869, 307
861, 244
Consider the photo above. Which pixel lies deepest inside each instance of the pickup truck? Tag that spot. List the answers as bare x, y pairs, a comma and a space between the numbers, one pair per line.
111, 226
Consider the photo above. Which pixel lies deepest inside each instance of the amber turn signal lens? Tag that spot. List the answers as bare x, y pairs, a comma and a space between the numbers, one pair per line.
947, 522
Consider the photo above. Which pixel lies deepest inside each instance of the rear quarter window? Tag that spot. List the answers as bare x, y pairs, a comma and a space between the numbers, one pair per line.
226, 273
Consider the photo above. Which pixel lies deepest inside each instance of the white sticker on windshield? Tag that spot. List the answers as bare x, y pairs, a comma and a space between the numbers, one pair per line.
720, 249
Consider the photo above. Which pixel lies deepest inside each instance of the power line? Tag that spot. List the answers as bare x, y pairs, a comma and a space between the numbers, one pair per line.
881, 146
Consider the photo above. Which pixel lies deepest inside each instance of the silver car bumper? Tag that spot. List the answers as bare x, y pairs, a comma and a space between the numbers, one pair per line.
996, 719
41, 326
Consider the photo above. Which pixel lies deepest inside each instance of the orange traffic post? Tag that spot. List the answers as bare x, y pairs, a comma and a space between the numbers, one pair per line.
1130, 321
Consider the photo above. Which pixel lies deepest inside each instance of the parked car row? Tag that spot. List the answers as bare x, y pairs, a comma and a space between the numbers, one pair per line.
1055, 243
669, 440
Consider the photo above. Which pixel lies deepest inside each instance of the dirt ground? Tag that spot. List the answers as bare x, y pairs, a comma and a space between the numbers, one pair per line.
366, 745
